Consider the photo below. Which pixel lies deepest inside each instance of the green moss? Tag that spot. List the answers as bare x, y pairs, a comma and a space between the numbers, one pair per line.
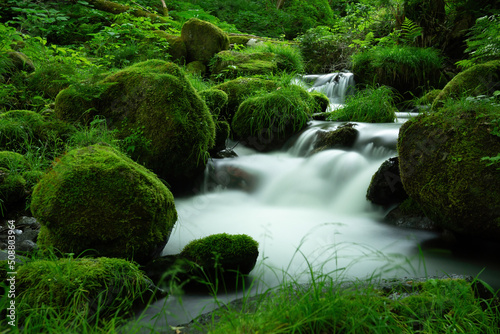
203, 40
13, 161
239, 39
477, 80
196, 67
410, 207
441, 167
176, 47
266, 121
97, 198
229, 252
238, 90
12, 189
429, 97
155, 97
50, 79
322, 102
231, 64
103, 285
221, 135
215, 99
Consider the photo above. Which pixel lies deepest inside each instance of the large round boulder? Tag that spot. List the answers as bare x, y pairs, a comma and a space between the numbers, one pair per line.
155, 110
442, 167
477, 80
203, 40
386, 187
97, 198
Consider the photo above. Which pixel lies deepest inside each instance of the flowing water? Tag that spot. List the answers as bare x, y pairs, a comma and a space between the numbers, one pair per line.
309, 212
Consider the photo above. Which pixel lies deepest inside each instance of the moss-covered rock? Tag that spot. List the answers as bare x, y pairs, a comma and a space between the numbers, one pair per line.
196, 67
429, 97
215, 99
152, 100
101, 285
13, 186
239, 39
322, 101
97, 198
203, 40
477, 80
223, 251
176, 47
20, 61
238, 90
222, 132
232, 64
440, 159
50, 79
266, 121
343, 137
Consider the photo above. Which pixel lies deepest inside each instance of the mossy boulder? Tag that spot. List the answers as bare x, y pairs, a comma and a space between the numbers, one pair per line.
477, 80
13, 186
322, 102
50, 78
441, 167
176, 47
343, 137
232, 64
265, 122
20, 62
215, 99
239, 39
238, 90
196, 67
153, 102
222, 132
227, 252
203, 40
97, 198
88, 285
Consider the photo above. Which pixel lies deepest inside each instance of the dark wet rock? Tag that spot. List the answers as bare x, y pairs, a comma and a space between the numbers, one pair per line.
343, 137
227, 176
226, 153
386, 187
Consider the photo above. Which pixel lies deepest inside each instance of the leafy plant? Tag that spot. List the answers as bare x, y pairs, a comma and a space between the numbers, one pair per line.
372, 105
410, 31
483, 43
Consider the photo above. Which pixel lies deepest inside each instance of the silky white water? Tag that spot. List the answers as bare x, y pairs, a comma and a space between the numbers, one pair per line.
309, 212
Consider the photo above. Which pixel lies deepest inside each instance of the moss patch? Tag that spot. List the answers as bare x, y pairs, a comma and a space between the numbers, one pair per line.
97, 198
266, 121
231, 64
477, 80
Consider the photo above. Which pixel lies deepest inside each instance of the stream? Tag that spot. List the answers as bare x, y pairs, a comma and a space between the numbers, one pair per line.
310, 213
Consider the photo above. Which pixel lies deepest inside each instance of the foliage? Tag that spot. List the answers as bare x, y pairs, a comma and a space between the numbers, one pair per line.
408, 69
372, 105
483, 43
324, 50
290, 57
128, 40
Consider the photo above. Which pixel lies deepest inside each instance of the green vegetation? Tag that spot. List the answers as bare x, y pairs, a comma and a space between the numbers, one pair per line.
371, 105
329, 306
266, 121
128, 212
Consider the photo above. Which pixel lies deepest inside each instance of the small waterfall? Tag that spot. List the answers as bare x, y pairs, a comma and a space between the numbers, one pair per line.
336, 86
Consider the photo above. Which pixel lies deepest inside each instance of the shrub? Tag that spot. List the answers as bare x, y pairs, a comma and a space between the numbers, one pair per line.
405, 68
372, 105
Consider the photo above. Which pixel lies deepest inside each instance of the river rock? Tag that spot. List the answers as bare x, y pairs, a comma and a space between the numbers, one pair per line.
203, 40
386, 187
441, 168
154, 109
96, 198
343, 137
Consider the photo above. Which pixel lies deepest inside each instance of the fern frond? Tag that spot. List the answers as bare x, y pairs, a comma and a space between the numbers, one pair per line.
410, 30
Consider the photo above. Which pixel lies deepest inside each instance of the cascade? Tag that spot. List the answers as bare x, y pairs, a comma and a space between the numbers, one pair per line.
336, 86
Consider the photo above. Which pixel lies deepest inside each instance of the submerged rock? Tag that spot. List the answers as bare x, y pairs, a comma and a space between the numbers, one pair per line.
96, 198
343, 137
